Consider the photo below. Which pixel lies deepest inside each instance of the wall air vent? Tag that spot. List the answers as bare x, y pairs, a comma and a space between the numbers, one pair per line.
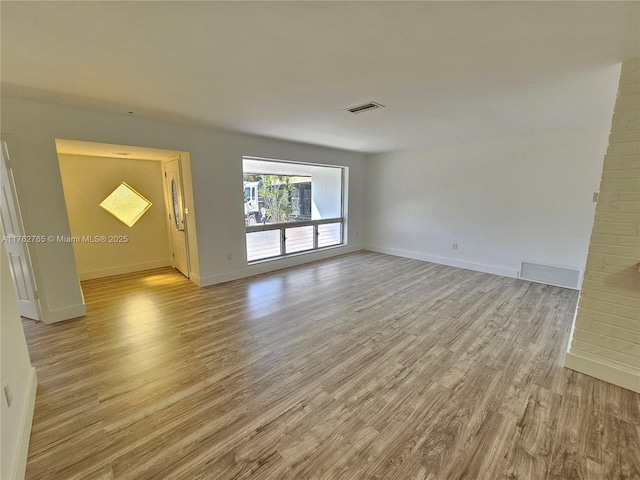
365, 107
551, 275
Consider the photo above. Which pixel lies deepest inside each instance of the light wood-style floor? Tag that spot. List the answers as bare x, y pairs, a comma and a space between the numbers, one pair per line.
364, 366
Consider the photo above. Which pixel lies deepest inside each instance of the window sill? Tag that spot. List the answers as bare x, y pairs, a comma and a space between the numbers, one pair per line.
297, 254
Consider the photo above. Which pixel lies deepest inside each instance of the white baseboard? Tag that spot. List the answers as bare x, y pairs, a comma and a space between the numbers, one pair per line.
224, 277
600, 368
195, 279
451, 262
20, 463
273, 265
136, 267
66, 313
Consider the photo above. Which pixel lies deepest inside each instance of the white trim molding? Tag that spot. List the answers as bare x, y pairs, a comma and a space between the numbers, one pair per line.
67, 313
195, 279
136, 267
603, 369
451, 262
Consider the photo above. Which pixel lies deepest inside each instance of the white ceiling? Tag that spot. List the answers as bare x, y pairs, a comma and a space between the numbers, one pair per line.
447, 72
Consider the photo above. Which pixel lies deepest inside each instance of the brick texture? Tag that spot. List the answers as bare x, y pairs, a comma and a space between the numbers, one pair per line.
607, 326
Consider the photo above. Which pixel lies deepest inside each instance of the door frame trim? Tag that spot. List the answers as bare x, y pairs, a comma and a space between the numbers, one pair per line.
185, 211
18, 211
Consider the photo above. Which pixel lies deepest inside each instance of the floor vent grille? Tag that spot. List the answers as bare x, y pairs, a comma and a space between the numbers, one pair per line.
559, 276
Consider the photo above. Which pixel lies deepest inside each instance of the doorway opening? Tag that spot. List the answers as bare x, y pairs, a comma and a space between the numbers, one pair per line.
130, 208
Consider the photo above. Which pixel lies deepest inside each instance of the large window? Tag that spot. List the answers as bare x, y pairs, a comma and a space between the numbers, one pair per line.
291, 207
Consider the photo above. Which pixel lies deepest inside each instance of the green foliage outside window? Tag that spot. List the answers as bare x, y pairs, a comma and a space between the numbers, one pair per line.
276, 192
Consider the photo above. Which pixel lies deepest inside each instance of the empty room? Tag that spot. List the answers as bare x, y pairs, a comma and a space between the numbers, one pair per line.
320, 240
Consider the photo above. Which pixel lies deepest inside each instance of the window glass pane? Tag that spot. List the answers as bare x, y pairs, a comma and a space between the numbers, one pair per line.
301, 199
299, 239
263, 245
291, 198
176, 207
327, 193
276, 198
329, 234
126, 204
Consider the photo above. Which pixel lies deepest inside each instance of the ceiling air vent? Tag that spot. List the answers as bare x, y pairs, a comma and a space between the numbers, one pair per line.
365, 107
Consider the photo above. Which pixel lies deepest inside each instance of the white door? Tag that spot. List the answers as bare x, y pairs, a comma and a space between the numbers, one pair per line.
15, 242
177, 221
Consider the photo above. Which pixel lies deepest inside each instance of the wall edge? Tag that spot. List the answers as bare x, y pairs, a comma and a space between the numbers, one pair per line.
20, 463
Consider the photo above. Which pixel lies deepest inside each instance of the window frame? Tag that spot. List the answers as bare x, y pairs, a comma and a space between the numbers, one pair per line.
282, 227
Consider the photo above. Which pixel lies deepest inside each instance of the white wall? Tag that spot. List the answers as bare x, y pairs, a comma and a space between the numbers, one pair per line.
16, 371
87, 182
30, 129
503, 201
606, 335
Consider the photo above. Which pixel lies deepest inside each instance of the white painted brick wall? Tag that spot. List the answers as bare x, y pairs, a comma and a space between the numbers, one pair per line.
606, 336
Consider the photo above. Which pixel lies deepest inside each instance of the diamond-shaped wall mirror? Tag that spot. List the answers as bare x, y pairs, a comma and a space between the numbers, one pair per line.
126, 204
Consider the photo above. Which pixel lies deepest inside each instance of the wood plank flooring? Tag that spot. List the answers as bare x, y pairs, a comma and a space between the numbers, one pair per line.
364, 366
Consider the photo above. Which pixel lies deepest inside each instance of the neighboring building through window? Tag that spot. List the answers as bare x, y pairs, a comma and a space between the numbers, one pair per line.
291, 207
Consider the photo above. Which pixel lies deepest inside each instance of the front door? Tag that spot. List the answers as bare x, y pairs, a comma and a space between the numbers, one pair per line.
15, 241
177, 221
